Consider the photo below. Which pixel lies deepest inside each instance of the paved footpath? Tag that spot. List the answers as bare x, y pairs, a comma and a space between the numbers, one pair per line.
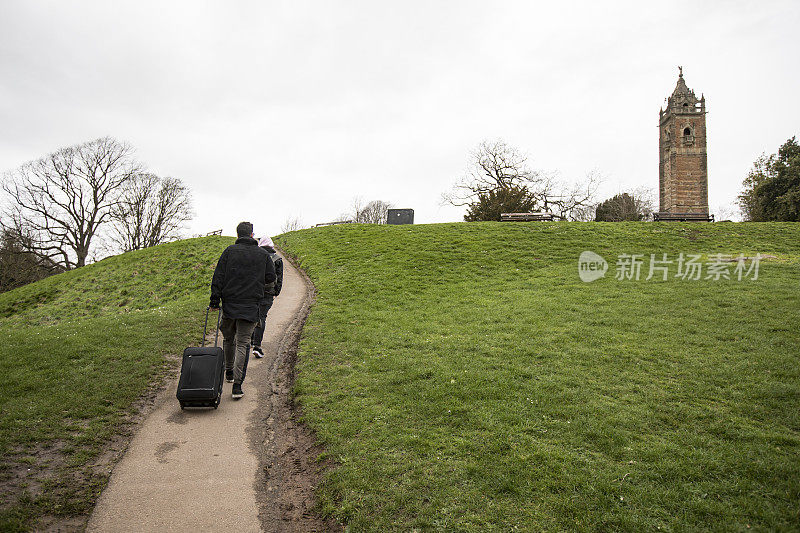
198, 470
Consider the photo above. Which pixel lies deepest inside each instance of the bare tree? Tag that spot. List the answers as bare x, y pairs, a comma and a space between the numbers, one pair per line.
727, 212
374, 212
584, 213
355, 209
497, 166
58, 203
291, 224
150, 211
645, 201
567, 201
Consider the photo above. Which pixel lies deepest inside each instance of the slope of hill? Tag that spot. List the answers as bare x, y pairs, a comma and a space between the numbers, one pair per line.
464, 378
77, 350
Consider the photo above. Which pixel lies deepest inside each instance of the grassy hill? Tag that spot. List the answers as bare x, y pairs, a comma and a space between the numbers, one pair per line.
463, 378
77, 351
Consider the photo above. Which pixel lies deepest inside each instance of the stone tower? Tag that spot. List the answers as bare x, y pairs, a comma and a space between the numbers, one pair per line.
683, 161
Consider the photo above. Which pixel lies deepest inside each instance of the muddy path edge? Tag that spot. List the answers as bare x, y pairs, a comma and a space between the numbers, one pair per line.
286, 448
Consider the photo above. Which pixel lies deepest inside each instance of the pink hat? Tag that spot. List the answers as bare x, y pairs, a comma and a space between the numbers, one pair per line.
266, 241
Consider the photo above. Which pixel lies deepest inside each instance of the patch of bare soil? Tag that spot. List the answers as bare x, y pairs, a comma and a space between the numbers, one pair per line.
286, 448
45, 465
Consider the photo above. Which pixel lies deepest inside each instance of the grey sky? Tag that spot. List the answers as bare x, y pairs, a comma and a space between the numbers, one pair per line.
276, 109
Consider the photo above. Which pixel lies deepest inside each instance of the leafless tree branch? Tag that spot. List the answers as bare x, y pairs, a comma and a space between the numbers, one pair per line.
150, 211
496, 165
374, 212
291, 224
61, 200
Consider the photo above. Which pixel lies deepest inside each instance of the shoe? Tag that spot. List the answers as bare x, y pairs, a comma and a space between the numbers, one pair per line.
229, 376
237, 391
258, 353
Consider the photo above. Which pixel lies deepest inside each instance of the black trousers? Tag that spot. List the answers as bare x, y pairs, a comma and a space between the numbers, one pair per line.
258, 332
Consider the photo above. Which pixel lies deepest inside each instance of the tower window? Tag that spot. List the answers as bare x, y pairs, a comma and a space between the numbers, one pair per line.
687, 132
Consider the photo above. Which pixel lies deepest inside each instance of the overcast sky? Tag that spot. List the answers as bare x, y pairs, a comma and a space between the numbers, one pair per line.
269, 110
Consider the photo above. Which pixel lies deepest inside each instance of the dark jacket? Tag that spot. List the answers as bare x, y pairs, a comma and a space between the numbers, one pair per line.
242, 273
275, 288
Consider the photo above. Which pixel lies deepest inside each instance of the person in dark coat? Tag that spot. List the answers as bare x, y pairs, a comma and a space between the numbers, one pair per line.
243, 272
270, 293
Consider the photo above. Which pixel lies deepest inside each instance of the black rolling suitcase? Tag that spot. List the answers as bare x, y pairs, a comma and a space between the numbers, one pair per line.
202, 373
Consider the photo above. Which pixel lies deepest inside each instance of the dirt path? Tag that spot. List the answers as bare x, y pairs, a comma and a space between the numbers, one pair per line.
247, 466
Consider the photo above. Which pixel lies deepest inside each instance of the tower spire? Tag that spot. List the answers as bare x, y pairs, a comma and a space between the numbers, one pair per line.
680, 71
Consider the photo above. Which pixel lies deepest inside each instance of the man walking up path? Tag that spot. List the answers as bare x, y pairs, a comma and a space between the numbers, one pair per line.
243, 273
197, 470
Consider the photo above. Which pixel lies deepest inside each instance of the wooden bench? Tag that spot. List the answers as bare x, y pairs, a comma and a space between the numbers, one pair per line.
334, 223
526, 217
209, 234
682, 217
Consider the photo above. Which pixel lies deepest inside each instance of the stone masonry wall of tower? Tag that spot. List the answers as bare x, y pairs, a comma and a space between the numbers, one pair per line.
683, 159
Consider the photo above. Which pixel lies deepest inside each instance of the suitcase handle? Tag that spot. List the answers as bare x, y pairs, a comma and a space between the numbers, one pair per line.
205, 326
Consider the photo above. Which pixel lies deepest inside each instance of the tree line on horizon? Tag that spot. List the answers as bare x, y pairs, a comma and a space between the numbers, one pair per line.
498, 180
59, 211
372, 212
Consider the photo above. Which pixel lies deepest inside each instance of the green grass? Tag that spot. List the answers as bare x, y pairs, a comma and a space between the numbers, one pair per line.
77, 351
463, 378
